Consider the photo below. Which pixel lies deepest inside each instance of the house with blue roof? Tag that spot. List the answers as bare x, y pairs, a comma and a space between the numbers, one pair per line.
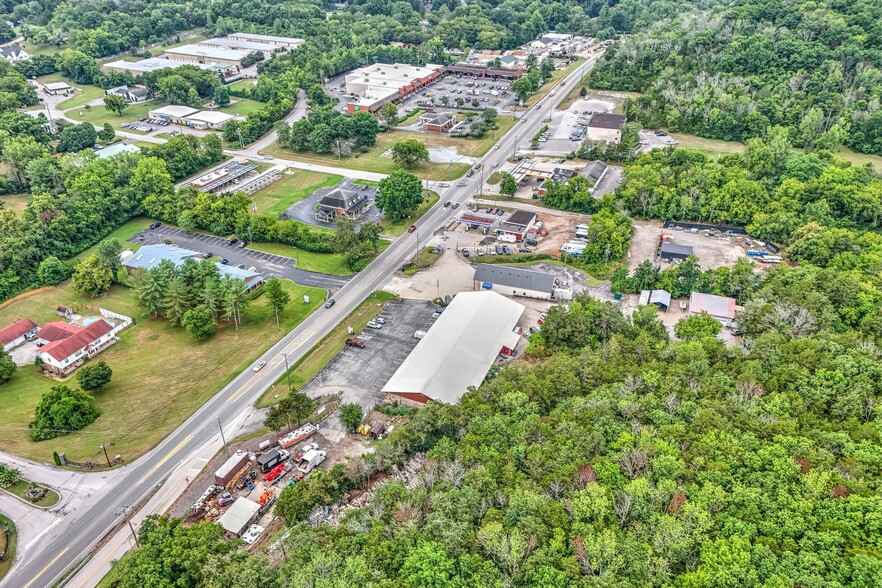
150, 256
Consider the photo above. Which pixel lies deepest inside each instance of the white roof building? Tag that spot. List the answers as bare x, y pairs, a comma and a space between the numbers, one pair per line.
287, 42
239, 516
155, 63
458, 350
210, 118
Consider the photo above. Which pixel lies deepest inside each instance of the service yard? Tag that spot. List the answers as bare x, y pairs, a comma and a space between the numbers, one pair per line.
360, 373
712, 250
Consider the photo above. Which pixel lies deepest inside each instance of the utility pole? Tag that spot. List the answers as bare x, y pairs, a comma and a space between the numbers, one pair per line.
124, 511
105, 455
288, 373
222, 436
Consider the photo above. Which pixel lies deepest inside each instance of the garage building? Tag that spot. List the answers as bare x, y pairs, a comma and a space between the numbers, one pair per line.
672, 252
514, 281
458, 350
239, 516
17, 333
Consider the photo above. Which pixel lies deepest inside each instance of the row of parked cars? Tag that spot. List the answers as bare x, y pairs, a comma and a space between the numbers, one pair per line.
134, 126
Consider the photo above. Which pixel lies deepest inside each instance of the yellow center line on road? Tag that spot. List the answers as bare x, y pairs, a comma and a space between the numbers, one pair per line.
253, 381
166, 458
57, 557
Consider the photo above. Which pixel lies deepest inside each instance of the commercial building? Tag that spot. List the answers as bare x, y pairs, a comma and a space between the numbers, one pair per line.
116, 150
239, 516
342, 202
139, 68
220, 178
173, 113
438, 122
721, 308
608, 127
149, 256
458, 350
13, 53
17, 333
369, 88
206, 54
516, 227
514, 281
269, 40
208, 119
673, 252
595, 172
248, 46
492, 73
129, 93
56, 88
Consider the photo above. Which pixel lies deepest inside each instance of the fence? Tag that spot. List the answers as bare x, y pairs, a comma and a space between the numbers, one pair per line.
703, 227
126, 320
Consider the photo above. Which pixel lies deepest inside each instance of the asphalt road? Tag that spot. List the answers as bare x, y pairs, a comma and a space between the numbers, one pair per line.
76, 533
267, 264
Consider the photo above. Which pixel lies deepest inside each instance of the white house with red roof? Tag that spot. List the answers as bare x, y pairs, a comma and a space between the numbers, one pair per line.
17, 333
68, 345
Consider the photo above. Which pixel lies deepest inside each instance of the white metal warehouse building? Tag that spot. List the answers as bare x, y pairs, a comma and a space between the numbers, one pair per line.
458, 350
514, 281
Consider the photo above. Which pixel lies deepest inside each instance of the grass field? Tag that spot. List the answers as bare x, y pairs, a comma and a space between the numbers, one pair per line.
160, 376
330, 345
374, 161
292, 188
33, 50
15, 202
326, 263
122, 234
241, 106
98, 115
243, 85
21, 488
398, 227
7, 563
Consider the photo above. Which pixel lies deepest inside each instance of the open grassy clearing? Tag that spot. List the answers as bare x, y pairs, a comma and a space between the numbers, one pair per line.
366, 183
424, 259
326, 263
33, 49
243, 85
397, 227
374, 161
290, 189
160, 375
241, 106
184, 40
15, 202
21, 488
7, 545
122, 234
330, 345
98, 115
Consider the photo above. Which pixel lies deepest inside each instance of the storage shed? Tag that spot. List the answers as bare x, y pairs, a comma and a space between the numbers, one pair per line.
239, 516
672, 252
230, 468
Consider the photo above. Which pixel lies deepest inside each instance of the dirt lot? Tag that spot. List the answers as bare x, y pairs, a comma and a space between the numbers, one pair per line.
447, 276
712, 251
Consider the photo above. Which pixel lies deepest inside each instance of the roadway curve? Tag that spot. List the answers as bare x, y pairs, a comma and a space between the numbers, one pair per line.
74, 534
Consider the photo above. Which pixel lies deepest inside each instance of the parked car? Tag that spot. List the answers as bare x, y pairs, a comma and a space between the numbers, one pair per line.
671, 142
225, 499
411, 229
225, 261
233, 241
465, 252
355, 343
534, 329
374, 325
380, 320
258, 366
499, 250
208, 255
330, 303
479, 251
154, 226
506, 250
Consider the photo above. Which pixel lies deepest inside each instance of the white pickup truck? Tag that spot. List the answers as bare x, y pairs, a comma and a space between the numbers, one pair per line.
311, 460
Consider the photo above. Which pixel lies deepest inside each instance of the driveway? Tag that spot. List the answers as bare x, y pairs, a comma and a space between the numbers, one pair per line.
304, 211
267, 264
25, 353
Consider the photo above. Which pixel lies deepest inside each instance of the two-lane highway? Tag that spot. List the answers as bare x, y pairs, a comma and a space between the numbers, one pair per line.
78, 532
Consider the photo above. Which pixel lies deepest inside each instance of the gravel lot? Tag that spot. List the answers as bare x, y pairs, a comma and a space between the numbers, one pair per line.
712, 252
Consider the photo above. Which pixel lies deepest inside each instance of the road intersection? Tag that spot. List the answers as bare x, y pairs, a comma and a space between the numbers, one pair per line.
78, 529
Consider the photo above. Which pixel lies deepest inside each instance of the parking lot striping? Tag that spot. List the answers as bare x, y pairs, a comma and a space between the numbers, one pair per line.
180, 445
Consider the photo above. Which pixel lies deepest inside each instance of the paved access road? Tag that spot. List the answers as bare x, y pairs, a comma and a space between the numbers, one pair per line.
267, 264
76, 534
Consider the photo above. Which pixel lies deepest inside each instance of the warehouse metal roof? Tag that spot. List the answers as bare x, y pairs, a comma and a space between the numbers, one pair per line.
674, 249
239, 515
716, 306
514, 277
459, 348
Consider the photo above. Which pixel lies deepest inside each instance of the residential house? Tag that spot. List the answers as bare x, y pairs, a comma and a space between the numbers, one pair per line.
66, 354
13, 53
721, 308
17, 333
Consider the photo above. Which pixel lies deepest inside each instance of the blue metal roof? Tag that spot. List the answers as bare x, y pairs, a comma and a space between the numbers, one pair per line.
149, 256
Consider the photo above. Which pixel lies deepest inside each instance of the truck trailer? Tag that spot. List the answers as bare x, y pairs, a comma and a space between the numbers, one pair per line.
268, 461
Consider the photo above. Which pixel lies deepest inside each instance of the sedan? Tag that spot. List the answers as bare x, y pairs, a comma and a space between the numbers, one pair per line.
258, 366
330, 303
355, 343
411, 229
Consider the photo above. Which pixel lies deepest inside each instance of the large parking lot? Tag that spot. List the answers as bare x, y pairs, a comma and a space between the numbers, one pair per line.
267, 264
466, 90
362, 373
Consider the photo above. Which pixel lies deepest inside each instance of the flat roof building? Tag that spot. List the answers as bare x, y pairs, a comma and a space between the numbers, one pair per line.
173, 112
721, 308
208, 119
371, 87
286, 42
239, 516
156, 63
458, 350
241, 45
207, 54
514, 281
517, 225
149, 256
605, 126
116, 150
55, 88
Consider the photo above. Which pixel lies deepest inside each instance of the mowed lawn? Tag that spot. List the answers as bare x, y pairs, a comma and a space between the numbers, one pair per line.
98, 115
160, 375
375, 161
290, 189
326, 263
396, 228
122, 234
241, 106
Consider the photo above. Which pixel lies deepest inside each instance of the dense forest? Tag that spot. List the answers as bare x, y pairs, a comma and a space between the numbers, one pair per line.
732, 72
